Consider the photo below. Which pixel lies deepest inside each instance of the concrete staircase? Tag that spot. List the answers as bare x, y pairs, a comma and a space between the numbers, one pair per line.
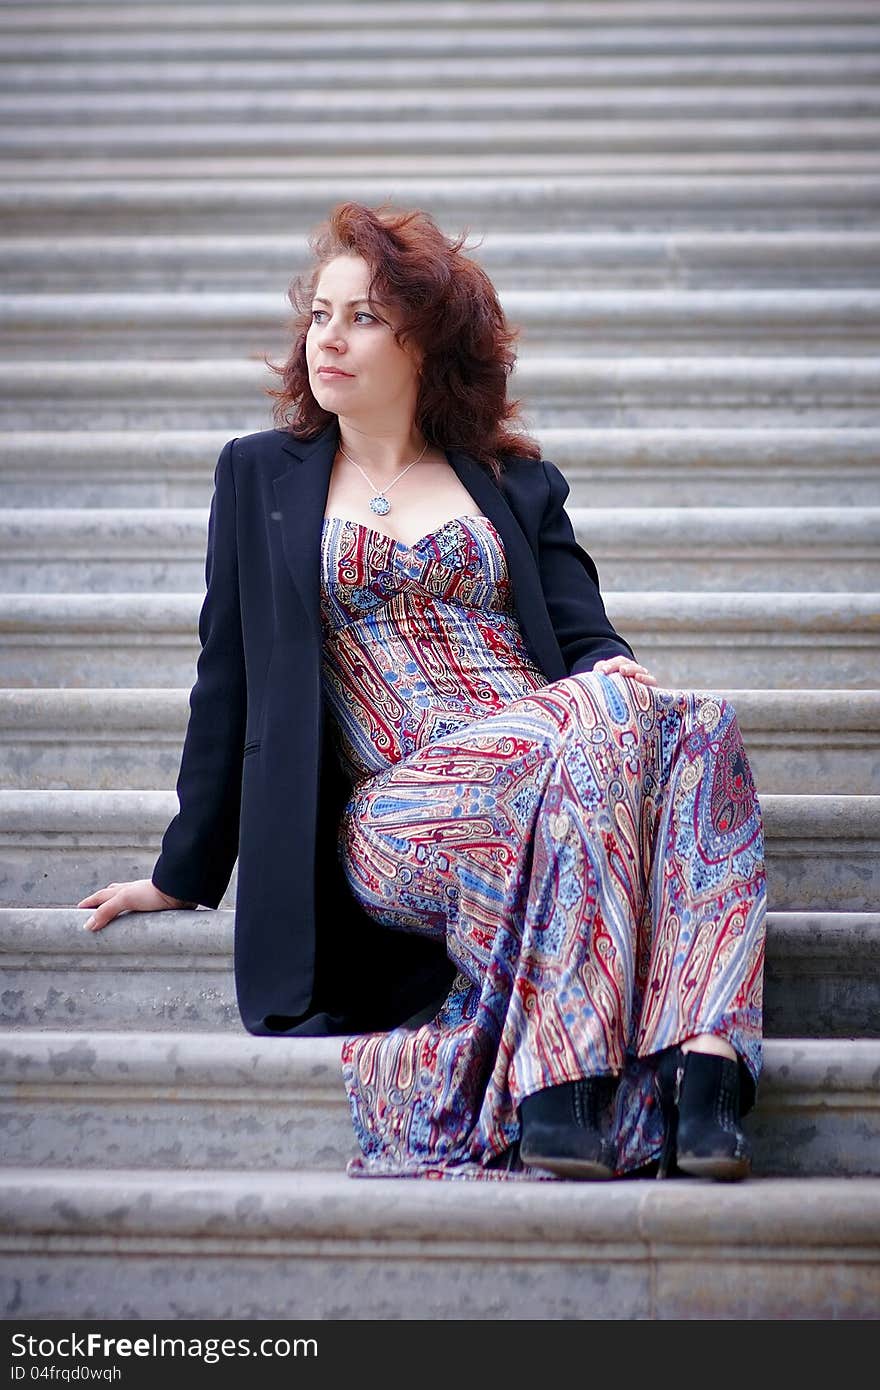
678, 202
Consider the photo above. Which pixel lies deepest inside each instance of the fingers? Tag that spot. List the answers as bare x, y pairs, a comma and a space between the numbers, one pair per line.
99, 896
139, 895
109, 902
620, 665
99, 920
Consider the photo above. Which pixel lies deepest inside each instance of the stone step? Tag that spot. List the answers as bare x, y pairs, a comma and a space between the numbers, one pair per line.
174, 468
181, 120
639, 202
171, 1100
721, 467
376, 105
683, 391
763, 639
537, 260
822, 976
461, 137
153, 972
378, 37
144, 1244
705, 638
442, 165
57, 847
743, 548
612, 468
595, 323
701, 549
798, 741
678, 70
160, 971
132, 17
301, 37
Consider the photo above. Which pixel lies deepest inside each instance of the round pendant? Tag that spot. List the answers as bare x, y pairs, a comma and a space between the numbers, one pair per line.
380, 505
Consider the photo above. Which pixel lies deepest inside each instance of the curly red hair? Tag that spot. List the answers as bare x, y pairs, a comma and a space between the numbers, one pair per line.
446, 303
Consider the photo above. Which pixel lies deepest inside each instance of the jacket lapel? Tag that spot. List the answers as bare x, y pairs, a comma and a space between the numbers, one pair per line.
301, 494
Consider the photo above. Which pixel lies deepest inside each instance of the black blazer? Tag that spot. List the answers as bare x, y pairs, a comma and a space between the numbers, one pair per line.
258, 777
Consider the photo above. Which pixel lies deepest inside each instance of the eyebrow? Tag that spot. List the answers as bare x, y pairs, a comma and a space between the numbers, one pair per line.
317, 299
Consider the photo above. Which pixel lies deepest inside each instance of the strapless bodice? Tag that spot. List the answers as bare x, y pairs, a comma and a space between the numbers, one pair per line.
419, 640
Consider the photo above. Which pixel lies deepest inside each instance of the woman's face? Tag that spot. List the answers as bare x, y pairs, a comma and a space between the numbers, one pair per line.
381, 380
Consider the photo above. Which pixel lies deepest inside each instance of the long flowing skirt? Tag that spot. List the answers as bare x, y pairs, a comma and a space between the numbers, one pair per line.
593, 855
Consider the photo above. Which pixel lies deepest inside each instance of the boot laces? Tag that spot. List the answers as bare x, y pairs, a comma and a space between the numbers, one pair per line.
589, 1100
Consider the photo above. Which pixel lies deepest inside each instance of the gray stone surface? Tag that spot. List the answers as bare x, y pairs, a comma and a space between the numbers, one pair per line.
834, 549
57, 846
692, 390
493, 136
203, 104
166, 1101
821, 852
818, 1109
686, 639
101, 468
610, 29
685, 390
800, 67
92, 738
172, 1101
537, 259
224, 201
589, 322
443, 163
679, 202
822, 976
644, 466
798, 741
58, 851
134, 1244
655, 466
145, 971
771, 639
173, 970
113, 550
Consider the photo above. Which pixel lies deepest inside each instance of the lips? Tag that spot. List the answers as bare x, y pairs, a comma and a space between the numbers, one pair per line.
331, 371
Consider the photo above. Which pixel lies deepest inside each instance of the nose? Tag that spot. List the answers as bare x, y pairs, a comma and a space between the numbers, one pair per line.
330, 335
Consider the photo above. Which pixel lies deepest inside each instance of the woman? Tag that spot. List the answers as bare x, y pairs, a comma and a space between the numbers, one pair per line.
583, 850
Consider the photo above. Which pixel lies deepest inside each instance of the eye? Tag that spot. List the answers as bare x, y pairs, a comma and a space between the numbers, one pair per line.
361, 313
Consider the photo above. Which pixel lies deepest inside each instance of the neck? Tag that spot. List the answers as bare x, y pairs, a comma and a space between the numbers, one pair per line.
383, 457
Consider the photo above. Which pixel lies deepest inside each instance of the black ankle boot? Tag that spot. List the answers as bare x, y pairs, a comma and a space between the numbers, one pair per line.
701, 1107
565, 1128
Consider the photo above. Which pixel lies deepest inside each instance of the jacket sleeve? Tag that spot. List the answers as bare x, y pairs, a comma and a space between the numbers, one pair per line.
571, 586
200, 846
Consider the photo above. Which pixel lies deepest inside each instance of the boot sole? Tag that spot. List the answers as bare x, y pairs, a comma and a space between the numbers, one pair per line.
583, 1168
722, 1169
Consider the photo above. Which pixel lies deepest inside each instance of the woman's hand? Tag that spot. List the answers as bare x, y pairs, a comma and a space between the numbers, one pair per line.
140, 895
625, 666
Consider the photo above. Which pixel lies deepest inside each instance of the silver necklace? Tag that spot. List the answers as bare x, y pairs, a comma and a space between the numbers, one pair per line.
379, 502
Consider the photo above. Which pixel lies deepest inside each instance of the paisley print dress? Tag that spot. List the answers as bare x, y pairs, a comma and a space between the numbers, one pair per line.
590, 850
